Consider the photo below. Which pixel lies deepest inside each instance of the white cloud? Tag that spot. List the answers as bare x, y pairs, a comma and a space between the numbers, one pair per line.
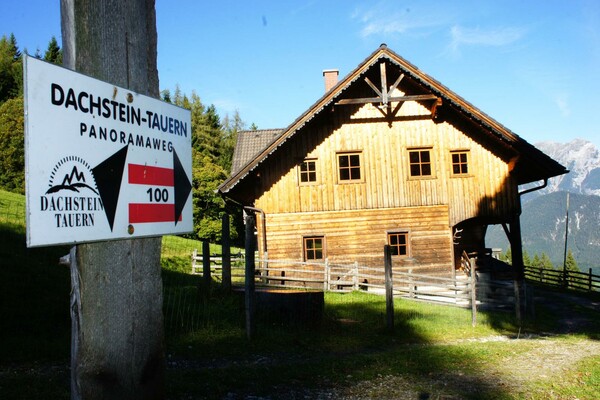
561, 101
479, 37
386, 18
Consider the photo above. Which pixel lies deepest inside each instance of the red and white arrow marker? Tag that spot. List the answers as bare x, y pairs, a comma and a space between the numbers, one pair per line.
158, 208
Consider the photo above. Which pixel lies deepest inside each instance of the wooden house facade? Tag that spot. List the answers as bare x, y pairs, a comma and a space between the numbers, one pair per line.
387, 156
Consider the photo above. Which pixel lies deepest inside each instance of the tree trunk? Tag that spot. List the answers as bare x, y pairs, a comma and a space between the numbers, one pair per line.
117, 344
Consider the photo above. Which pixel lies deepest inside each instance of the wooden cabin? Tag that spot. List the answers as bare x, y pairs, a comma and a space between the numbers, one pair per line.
388, 155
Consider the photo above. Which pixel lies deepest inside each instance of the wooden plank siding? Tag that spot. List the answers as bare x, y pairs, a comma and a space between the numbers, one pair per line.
359, 235
487, 191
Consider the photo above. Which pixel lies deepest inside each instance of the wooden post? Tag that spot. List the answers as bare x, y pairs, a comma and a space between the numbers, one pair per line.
206, 278
518, 267
473, 280
389, 288
327, 276
355, 276
116, 304
249, 275
590, 280
226, 252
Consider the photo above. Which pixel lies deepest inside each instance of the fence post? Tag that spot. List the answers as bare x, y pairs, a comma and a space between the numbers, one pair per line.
226, 253
326, 276
473, 295
590, 280
249, 274
389, 288
206, 265
355, 276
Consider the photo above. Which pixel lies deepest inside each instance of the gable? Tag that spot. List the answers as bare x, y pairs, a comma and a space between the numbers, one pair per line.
388, 82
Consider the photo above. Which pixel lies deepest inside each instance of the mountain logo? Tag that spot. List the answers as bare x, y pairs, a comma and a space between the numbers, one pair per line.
72, 199
73, 178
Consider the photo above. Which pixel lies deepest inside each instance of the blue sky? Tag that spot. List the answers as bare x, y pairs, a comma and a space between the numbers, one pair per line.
531, 65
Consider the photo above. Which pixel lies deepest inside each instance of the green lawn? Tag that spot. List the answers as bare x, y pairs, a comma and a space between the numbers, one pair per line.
433, 351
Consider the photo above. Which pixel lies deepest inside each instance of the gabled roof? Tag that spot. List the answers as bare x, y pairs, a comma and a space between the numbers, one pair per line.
249, 144
530, 164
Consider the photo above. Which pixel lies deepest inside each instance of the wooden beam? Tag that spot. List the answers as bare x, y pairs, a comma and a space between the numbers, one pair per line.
365, 100
384, 90
395, 85
373, 87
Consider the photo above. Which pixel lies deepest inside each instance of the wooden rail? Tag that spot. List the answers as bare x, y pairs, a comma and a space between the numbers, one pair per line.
216, 262
352, 276
569, 279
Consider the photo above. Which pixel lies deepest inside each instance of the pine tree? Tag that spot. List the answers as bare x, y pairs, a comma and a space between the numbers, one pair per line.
570, 263
11, 69
53, 54
526, 259
230, 130
545, 262
12, 155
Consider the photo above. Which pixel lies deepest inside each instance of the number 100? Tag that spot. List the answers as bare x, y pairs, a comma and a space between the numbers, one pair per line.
158, 195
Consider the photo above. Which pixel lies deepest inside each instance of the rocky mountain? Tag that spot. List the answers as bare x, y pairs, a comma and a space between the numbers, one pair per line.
544, 211
582, 159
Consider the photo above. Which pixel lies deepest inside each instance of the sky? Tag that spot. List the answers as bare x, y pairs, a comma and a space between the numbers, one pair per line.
531, 65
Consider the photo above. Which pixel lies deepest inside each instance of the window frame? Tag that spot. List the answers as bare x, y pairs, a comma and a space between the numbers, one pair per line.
307, 173
350, 168
407, 245
460, 163
421, 163
306, 249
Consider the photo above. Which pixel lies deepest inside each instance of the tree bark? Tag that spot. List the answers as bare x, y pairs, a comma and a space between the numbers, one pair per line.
117, 344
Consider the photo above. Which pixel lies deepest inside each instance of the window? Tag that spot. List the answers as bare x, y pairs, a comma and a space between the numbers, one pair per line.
398, 242
313, 248
460, 165
420, 162
308, 171
349, 167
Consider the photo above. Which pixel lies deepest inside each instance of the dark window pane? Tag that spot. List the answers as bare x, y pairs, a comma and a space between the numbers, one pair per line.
413, 157
415, 170
426, 169
344, 161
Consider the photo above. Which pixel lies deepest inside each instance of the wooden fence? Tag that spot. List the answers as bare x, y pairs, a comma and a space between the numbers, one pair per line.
346, 277
568, 279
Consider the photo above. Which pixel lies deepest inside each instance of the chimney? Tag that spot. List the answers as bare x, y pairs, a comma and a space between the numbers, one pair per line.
331, 78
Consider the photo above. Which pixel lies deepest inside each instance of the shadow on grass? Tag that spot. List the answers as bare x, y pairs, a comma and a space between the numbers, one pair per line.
565, 311
349, 346
208, 355
34, 300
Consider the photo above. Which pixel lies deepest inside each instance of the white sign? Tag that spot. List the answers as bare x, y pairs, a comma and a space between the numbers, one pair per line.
102, 162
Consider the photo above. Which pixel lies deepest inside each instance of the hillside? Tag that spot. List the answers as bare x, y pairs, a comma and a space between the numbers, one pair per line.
543, 228
544, 211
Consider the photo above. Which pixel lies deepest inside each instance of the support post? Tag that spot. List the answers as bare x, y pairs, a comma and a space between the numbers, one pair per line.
518, 267
118, 350
226, 252
473, 279
389, 288
249, 275
206, 278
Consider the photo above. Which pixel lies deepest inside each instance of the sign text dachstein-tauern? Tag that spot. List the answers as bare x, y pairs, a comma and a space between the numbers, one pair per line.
102, 162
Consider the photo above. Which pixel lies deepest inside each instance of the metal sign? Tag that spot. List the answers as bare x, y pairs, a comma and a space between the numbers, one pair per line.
102, 162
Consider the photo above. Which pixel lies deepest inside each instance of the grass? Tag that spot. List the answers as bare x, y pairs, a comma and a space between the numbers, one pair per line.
433, 351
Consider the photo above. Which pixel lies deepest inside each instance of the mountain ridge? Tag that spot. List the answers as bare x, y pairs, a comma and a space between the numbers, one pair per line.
544, 211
